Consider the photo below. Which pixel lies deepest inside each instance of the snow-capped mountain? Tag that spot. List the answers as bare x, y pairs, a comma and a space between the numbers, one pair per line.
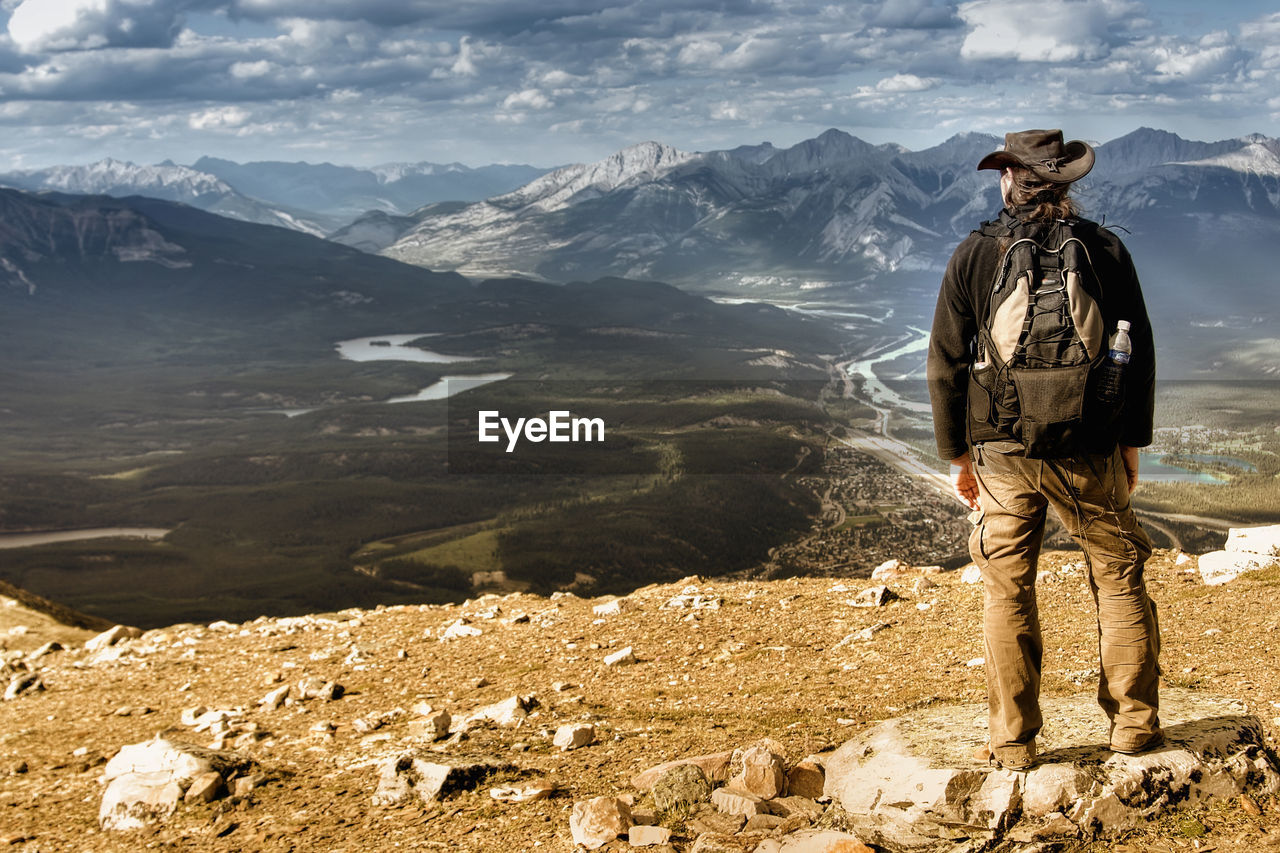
349, 191
166, 181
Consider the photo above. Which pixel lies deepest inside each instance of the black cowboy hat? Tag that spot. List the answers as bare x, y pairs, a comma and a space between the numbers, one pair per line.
1043, 152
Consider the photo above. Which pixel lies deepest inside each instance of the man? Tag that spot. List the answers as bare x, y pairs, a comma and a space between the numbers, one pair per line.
1004, 469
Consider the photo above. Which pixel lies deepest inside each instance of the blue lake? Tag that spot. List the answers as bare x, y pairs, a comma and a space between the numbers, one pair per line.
1151, 469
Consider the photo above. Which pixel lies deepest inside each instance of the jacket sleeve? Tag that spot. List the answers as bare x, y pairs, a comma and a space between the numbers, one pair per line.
1138, 415
947, 366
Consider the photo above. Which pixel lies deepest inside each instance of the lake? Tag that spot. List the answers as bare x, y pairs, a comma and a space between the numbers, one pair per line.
1152, 469
394, 348
48, 537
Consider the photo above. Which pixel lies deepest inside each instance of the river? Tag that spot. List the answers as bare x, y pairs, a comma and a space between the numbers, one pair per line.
49, 537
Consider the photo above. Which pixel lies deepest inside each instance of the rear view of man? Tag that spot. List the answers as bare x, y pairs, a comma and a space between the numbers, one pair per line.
1037, 404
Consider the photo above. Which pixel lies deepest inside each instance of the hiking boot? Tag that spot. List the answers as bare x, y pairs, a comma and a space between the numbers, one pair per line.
1147, 744
1025, 761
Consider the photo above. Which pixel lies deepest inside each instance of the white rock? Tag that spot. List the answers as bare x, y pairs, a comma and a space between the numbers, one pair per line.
134, 799
971, 574
594, 823
204, 788
574, 735
509, 712
762, 774
459, 630
411, 773
1219, 567
24, 682
621, 657
734, 801
523, 793
875, 596
1255, 540
433, 725
613, 607
275, 698
889, 570
648, 836
111, 636
1182, 559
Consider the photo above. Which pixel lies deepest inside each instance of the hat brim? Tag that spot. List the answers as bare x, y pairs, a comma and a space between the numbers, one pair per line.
1078, 161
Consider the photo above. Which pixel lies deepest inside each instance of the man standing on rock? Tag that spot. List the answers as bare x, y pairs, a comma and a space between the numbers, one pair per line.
1036, 403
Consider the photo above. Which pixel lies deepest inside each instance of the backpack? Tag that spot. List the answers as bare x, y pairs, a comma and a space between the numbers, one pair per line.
1039, 342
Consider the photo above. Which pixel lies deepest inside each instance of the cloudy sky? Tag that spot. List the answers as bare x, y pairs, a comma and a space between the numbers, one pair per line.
555, 81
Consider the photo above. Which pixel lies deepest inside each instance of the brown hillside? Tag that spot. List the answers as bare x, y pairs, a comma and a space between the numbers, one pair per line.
772, 659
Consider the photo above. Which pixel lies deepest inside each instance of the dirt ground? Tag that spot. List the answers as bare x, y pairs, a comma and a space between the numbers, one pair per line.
768, 661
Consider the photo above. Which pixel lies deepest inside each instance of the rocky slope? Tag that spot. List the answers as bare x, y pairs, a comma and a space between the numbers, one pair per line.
716, 666
170, 182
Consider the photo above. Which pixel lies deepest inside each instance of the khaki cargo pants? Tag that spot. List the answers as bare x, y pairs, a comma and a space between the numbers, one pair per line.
1090, 495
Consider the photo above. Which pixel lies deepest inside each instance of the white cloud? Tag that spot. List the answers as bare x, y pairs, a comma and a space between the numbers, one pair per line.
219, 118
906, 83
529, 99
249, 70
37, 26
1047, 31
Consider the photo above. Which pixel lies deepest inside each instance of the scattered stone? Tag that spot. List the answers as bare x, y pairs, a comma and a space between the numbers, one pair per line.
509, 712
1182, 559
715, 842
715, 823
318, 688
23, 682
762, 773
922, 584
806, 779
614, 607
17, 768
875, 596
622, 657
681, 786
275, 698
190, 715
204, 788
691, 599
574, 735
241, 786
413, 774
527, 793
763, 823
643, 816
373, 722
598, 821
871, 630
792, 805
431, 726
911, 782
737, 802
146, 780
715, 765
971, 574
46, 649
111, 636
820, 841
459, 630
648, 836
890, 570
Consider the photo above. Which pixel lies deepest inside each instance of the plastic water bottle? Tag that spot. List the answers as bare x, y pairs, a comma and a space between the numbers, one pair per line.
1111, 378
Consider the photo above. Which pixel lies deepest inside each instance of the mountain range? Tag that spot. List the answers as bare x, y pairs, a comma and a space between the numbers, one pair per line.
836, 218
312, 198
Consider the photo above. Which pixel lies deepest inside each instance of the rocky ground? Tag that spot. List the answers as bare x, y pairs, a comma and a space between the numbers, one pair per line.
717, 665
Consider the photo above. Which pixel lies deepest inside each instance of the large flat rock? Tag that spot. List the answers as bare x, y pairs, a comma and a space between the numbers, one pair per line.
911, 783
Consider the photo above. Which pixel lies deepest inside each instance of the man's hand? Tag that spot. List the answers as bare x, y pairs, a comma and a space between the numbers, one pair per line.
1130, 457
964, 485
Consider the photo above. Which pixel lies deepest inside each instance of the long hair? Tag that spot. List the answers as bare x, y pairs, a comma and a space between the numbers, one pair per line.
1051, 201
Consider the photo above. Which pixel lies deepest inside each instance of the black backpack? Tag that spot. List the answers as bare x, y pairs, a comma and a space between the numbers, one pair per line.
1040, 342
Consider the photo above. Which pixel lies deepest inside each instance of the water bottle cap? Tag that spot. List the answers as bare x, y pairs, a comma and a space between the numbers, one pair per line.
1123, 326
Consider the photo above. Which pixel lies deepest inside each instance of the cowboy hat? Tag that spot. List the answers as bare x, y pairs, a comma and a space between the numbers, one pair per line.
1043, 152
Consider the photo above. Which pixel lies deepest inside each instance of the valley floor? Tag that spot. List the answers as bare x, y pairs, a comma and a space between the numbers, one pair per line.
766, 658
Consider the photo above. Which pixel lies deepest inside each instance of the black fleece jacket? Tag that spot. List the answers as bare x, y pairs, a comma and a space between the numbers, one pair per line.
963, 298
